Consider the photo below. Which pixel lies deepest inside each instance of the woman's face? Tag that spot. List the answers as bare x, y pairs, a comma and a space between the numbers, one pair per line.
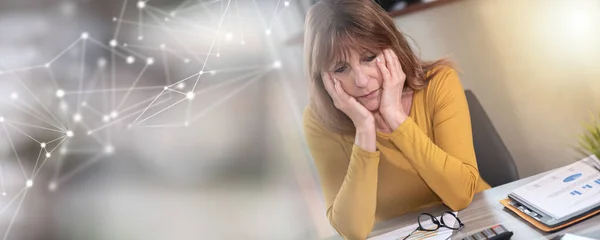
360, 77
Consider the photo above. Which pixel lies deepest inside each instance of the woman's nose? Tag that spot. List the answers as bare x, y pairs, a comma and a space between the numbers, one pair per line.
361, 79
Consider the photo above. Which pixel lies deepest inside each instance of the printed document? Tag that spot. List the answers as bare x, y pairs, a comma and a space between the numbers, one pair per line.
441, 234
565, 191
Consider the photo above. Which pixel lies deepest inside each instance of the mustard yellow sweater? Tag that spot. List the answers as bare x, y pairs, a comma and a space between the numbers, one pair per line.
429, 159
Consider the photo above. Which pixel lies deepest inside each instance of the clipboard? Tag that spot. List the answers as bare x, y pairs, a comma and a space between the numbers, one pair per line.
543, 227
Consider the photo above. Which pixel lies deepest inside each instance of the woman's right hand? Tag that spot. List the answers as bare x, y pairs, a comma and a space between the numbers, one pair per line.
361, 117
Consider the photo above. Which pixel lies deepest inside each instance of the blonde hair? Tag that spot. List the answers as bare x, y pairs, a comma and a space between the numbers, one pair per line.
332, 29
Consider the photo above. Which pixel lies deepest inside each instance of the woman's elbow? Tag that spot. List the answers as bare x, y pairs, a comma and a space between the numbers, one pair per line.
460, 202
351, 228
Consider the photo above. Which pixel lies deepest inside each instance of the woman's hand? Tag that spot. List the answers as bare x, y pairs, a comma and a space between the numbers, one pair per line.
360, 116
390, 106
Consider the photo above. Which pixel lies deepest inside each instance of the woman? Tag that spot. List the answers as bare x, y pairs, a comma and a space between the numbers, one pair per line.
389, 133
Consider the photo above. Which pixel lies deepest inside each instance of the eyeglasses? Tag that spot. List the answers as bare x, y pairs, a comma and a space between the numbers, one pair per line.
429, 223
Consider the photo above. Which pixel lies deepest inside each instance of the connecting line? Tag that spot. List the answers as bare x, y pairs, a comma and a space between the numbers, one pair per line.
36, 98
167, 71
212, 44
141, 20
36, 162
12, 200
95, 41
114, 90
19, 130
44, 162
183, 80
34, 126
224, 99
12, 145
58, 168
162, 28
120, 119
223, 83
145, 101
82, 74
65, 50
94, 110
176, 91
174, 38
79, 168
95, 137
35, 116
262, 19
274, 14
137, 54
21, 69
52, 78
184, 21
120, 16
145, 109
237, 11
33, 110
160, 49
170, 106
15, 215
179, 7
133, 85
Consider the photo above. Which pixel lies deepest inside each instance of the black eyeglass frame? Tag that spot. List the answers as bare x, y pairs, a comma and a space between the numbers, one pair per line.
437, 223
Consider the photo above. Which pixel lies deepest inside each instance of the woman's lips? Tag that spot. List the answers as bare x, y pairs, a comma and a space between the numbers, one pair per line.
372, 94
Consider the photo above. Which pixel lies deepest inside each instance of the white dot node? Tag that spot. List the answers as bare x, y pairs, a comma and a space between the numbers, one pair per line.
166, 19
114, 114
181, 85
186, 123
163, 46
85, 35
130, 60
113, 43
141, 4
1, 119
277, 64
43, 145
172, 14
89, 133
114, 19
201, 72
14, 95
243, 42
129, 126
29, 183
268, 32
105, 118
190, 95
63, 151
229, 36
77, 117
150, 61
52, 186
286, 3
218, 55
187, 60
125, 45
101, 62
83, 104
60, 93
48, 155
109, 149
3, 193
140, 38
47, 65
64, 106
213, 72
69, 133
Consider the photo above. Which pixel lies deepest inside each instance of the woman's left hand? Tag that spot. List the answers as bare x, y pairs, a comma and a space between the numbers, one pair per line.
390, 106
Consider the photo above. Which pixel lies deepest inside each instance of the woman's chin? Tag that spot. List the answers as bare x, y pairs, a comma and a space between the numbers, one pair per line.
372, 106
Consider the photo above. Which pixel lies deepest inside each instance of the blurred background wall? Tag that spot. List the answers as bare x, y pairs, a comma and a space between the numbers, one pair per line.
533, 64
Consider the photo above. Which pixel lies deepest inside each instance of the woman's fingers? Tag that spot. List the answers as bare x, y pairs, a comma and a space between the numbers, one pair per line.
389, 61
385, 72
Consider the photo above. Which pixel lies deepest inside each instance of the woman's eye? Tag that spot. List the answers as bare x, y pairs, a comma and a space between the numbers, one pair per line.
369, 59
340, 70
